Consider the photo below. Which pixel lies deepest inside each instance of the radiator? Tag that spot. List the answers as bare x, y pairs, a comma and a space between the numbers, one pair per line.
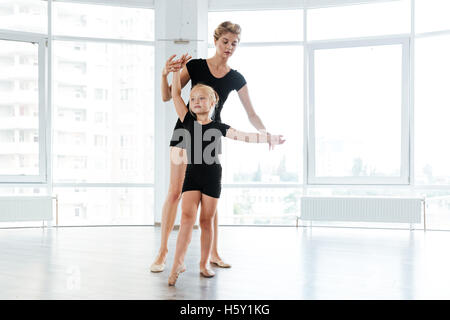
25, 208
361, 209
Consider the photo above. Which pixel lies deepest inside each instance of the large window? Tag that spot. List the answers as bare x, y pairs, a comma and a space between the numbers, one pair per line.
432, 111
368, 122
23, 102
431, 105
103, 159
103, 129
22, 105
358, 89
359, 112
77, 112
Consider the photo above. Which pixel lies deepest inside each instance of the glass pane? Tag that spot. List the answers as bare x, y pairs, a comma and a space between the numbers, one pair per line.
102, 21
285, 25
19, 108
358, 99
432, 15
24, 15
438, 209
432, 111
278, 100
389, 17
260, 206
105, 206
103, 119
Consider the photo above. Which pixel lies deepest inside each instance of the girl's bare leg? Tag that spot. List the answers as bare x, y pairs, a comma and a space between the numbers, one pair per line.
215, 258
189, 206
209, 205
169, 210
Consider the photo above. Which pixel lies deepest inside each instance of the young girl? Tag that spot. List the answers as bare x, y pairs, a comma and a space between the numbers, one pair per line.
202, 182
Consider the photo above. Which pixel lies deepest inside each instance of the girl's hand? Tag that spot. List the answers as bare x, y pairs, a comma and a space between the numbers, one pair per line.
274, 140
175, 65
171, 65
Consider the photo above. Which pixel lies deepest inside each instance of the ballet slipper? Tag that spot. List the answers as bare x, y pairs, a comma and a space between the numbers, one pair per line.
220, 263
207, 273
158, 267
174, 276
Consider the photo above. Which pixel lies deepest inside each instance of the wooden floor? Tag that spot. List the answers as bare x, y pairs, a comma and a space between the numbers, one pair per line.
268, 263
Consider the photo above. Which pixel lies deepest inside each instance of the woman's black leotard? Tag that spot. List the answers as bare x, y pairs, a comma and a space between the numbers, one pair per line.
204, 171
199, 73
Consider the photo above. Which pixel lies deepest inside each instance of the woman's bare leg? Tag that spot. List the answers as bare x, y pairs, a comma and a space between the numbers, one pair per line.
215, 258
169, 210
209, 205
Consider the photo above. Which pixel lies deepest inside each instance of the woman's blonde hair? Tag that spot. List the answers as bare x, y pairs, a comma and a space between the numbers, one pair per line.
212, 94
226, 27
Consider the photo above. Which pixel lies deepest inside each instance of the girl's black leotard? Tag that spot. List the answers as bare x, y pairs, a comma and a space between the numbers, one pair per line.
204, 171
199, 73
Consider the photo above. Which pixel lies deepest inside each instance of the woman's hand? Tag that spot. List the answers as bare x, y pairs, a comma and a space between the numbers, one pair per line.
184, 60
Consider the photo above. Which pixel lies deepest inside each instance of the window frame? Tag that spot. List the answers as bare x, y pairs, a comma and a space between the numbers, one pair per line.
404, 178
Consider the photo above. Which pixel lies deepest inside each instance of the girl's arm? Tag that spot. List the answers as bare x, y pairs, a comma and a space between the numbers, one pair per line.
254, 137
180, 106
172, 66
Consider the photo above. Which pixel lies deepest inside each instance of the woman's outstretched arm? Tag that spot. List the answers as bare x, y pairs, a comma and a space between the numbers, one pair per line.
180, 106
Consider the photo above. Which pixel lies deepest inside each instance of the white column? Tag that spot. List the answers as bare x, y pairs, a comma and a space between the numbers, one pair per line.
174, 19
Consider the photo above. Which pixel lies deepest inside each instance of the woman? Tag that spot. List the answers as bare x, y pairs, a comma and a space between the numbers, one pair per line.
216, 73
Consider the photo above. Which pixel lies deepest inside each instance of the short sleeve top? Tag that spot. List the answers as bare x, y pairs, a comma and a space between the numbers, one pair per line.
199, 73
203, 140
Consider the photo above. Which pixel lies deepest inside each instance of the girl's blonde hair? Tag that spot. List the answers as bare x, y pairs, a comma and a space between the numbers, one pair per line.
226, 27
212, 94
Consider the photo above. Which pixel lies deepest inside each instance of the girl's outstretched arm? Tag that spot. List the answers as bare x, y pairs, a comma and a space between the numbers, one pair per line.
180, 106
272, 139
